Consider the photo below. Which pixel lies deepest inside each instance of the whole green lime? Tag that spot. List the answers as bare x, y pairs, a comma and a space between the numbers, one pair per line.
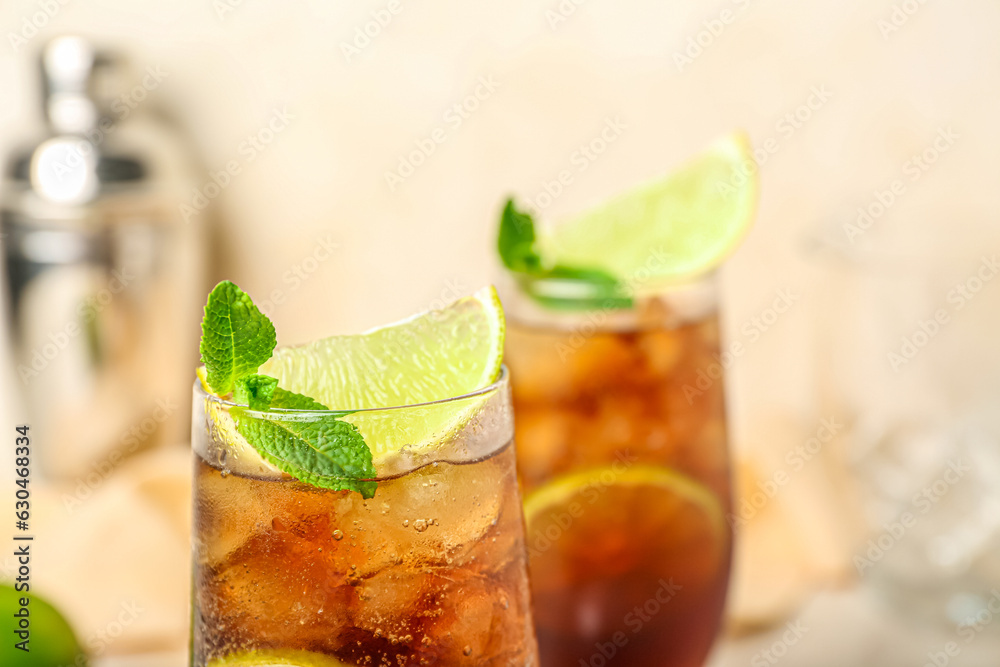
51, 642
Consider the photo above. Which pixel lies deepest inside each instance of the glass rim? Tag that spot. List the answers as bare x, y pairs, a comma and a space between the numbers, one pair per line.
571, 289
295, 412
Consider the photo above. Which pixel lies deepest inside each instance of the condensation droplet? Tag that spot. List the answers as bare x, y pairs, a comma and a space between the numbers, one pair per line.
338, 534
467, 650
406, 523
420, 525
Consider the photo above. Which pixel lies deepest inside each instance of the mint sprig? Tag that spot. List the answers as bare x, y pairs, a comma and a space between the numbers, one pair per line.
516, 245
236, 339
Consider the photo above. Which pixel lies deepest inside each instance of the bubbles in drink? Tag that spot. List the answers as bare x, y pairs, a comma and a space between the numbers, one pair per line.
279, 563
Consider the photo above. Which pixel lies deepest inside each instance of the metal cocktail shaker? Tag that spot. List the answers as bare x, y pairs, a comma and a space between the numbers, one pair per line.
102, 273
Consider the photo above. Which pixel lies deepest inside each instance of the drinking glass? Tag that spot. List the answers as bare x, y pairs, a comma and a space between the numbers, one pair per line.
430, 571
622, 452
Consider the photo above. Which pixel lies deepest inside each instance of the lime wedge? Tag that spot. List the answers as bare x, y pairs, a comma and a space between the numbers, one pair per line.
671, 229
429, 357
277, 658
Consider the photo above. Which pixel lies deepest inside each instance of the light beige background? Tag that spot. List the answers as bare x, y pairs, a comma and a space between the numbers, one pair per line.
891, 90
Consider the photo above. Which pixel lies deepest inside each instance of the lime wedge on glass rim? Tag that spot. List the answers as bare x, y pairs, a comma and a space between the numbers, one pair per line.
668, 230
420, 361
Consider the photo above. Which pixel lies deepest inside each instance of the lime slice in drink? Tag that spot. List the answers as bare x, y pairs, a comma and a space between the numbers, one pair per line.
429, 357
277, 658
667, 230
604, 538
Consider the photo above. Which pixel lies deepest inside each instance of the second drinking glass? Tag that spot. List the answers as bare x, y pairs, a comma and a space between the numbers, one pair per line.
622, 451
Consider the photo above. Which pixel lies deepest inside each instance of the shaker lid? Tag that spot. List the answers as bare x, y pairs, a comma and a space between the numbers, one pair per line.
78, 84
68, 68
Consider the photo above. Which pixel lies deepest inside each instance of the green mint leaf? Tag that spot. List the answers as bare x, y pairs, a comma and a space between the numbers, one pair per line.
516, 244
255, 391
325, 452
289, 400
516, 241
236, 338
